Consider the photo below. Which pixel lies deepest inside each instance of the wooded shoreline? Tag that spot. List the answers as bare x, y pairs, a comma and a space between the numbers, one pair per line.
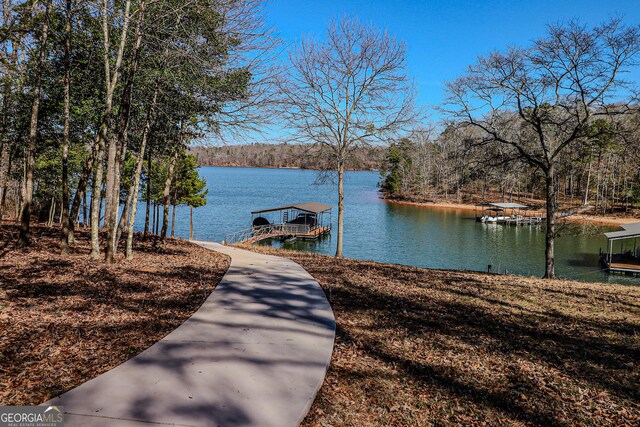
246, 166
581, 218
284, 156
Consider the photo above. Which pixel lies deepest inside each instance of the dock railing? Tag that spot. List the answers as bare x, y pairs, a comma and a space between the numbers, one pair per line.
255, 234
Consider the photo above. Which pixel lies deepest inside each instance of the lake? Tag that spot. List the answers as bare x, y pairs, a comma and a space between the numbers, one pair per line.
394, 233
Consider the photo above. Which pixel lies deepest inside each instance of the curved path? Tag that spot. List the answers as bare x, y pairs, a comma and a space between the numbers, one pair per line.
254, 354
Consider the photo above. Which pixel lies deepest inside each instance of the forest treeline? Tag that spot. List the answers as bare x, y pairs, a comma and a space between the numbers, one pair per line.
599, 173
302, 156
100, 100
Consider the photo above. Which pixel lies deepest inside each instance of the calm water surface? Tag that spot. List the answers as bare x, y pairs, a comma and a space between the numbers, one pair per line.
381, 231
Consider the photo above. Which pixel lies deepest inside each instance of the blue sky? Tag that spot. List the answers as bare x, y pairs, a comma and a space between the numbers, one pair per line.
444, 37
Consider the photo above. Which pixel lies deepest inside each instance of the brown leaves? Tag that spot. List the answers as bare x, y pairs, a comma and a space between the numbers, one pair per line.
424, 347
66, 319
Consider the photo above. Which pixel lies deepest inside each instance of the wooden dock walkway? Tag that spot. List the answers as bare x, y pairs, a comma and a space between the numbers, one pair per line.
272, 231
625, 267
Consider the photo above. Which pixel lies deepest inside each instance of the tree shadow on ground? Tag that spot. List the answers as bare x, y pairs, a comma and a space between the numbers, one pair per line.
250, 355
70, 318
537, 353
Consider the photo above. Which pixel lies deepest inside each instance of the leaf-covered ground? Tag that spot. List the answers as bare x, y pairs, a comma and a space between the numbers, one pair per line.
67, 319
428, 347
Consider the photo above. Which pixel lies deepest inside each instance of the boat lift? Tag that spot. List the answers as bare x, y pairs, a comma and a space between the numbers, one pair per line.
506, 213
305, 221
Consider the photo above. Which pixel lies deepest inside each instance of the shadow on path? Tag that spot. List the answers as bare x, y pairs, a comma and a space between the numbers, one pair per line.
255, 353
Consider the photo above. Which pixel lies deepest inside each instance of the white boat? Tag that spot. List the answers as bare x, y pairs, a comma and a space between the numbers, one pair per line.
500, 213
494, 218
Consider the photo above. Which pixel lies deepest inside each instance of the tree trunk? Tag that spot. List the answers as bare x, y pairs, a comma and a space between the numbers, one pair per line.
52, 212
173, 221
9, 150
81, 195
84, 209
30, 164
339, 253
64, 218
146, 216
190, 222
112, 205
551, 224
133, 191
96, 198
5, 188
4, 175
167, 193
22, 186
122, 222
109, 182
156, 218
18, 205
103, 136
113, 235
597, 203
570, 189
90, 210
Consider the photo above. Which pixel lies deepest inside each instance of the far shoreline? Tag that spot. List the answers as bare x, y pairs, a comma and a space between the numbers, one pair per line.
579, 218
285, 167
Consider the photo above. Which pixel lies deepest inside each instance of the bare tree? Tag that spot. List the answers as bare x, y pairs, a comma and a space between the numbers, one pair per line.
540, 100
346, 91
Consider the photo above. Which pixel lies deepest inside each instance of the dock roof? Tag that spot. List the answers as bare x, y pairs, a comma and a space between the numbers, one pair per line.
506, 205
630, 230
311, 207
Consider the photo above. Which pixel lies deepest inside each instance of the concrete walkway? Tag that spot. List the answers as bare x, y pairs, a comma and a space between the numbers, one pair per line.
254, 354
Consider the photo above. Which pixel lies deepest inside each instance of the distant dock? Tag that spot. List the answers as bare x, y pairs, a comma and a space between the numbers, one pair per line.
511, 214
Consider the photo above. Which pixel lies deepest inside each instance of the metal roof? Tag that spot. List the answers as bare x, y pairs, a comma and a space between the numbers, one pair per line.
507, 205
311, 207
630, 230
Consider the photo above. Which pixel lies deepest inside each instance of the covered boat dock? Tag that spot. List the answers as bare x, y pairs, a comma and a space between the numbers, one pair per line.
506, 213
626, 259
304, 221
